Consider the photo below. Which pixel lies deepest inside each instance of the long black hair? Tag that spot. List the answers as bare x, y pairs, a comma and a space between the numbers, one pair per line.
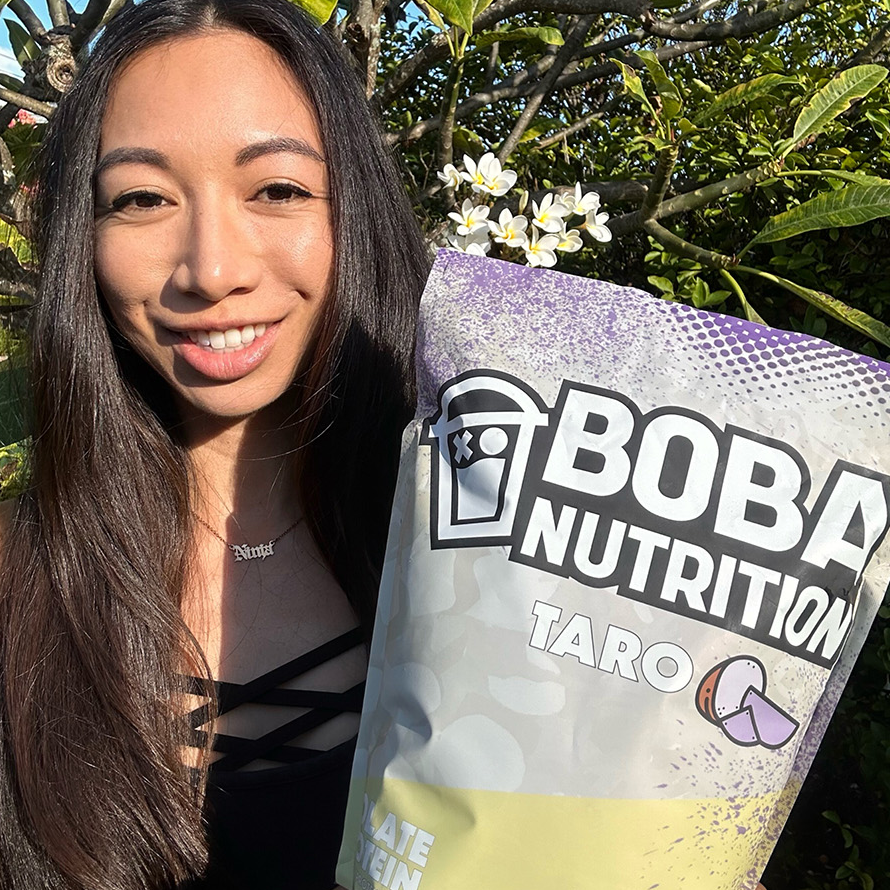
92, 790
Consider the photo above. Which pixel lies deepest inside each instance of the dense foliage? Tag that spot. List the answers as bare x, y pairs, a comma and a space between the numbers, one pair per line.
742, 150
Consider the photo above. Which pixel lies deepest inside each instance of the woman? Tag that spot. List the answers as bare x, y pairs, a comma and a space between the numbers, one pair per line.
221, 369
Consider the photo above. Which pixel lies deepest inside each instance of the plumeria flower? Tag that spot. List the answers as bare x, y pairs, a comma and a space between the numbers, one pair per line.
581, 204
509, 229
487, 176
476, 242
548, 216
569, 241
450, 176
470, 218
541, 251
596, 225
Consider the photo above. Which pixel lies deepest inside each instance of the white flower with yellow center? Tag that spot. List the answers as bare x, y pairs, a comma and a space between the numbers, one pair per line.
549, 214
487, 176
476, 243
450, 176
581, 204
470, 218
596, 225
541, 251
569, 241
509, 229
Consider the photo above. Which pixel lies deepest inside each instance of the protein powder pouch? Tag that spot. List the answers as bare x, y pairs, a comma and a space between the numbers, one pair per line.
634, 552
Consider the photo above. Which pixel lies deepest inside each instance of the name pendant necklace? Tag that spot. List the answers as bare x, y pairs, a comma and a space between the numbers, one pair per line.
246, 551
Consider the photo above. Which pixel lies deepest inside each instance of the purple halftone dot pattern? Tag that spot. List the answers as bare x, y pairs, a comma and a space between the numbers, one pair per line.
755, 358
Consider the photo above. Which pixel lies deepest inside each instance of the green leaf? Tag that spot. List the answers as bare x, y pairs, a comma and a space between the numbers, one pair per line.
671, 101
742, 93
665, 285
320, 10
849, 206
858, 178
852, 318
836, 96
550, 36
460, 12
634, 86
538, 127
434, 17
10, 82
12, 238
13, 469
23, 46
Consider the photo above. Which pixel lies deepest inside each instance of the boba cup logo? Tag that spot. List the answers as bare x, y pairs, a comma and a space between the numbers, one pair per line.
483, 435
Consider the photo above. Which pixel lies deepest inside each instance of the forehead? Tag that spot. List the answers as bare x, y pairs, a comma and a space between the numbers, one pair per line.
221, 87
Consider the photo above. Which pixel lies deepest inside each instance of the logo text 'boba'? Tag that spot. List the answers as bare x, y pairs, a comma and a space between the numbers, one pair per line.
664, 506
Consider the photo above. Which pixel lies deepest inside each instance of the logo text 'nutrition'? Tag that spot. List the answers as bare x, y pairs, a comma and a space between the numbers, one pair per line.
665, 506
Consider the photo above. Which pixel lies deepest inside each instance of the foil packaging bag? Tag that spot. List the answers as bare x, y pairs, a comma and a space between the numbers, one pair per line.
635, 549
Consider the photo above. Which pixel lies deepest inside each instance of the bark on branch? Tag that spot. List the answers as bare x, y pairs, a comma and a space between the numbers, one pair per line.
696, 198
606, 46
573, 42
436, 50
742, 25
89, 21
30, 20
22, 101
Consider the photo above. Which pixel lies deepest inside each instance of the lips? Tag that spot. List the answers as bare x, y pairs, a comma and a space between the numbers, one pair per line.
226, 355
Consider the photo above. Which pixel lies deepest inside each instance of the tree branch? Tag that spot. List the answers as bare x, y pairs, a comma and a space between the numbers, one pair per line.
879, 42
30, 20
523, 83
597, 72
436, 50
509, 88
607, 46
58, 12
491, 69
667, 160
696, 198
89, 21
26, 102
573, 42
579, 124
678, 246
741, 25
449, 105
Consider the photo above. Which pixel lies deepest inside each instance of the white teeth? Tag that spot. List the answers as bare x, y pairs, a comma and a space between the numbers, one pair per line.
230, 340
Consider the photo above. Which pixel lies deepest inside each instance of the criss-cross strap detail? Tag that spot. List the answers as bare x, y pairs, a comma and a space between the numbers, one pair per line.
321, 707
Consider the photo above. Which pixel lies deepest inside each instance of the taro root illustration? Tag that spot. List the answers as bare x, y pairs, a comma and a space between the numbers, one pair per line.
731, 696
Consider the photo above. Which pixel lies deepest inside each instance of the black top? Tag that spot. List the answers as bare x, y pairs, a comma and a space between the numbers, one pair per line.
278, 828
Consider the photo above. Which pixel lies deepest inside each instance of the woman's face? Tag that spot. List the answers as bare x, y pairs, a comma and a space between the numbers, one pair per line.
213, 227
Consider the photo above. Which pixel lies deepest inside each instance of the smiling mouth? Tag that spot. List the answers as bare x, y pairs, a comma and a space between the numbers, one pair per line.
230, 340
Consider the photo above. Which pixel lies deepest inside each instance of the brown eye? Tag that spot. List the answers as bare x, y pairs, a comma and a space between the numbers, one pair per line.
281, 192
139, 200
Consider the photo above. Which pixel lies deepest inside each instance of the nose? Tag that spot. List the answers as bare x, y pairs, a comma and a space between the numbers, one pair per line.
218, 255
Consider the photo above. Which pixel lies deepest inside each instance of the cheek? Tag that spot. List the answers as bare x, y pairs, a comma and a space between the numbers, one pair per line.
122, 287
303, 257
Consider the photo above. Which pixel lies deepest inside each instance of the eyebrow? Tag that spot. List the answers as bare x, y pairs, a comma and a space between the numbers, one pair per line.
128, 155
277, 144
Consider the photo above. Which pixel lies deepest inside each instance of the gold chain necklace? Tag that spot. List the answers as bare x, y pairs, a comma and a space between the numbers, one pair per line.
249, 551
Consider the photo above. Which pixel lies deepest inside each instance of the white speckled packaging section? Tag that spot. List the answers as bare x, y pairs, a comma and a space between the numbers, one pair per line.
634, 552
